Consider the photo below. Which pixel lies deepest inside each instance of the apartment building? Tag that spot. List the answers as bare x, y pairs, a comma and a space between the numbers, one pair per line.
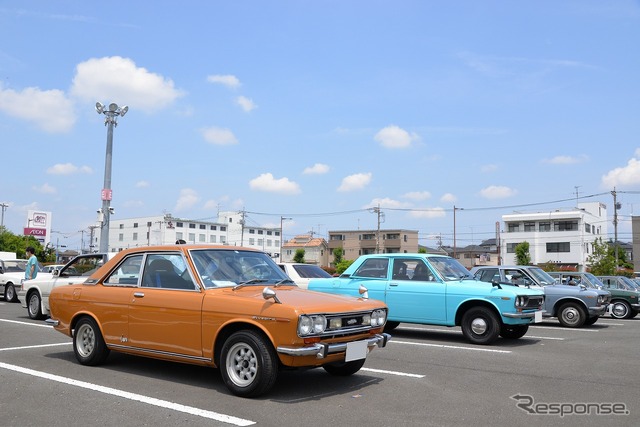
362, 242
563, 236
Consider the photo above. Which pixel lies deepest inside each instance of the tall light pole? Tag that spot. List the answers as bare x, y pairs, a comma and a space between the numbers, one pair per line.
281, 236
4, 207
110, 120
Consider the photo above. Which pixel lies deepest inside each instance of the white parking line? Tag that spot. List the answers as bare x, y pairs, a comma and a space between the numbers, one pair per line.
40, 325
453, 347
132, 396
34, 346
402, 374
559, 328
544, 338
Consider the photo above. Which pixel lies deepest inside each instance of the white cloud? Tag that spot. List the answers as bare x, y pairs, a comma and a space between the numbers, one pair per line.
117, 79
68, 169
448, 198
46, 189
187, 199
266, 182
437, 212
355, 182
219, 136
387, 203
142, 184
317, 169
228, 80
627, 175
497, 192
395, 137
567, 160
246, 103
49, 110
417, 195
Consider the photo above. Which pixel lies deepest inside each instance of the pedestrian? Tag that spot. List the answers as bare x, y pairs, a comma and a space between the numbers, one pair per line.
32, 265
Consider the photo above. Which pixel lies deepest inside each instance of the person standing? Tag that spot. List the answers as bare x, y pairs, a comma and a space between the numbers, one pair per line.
32, 264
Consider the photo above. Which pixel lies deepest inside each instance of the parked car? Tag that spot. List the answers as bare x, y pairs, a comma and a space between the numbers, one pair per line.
302, 273
574, 306
438, 290
626, 304
34, 294
11, 274
218, 306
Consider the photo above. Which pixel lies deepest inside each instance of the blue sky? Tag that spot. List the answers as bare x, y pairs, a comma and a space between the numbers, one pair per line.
320, 110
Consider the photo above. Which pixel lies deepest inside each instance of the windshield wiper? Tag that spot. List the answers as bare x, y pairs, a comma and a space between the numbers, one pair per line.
248, 282
282, 282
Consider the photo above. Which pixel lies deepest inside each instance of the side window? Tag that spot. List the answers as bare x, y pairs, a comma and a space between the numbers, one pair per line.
127, 273
516, 277
399, 270
421, 272
373, 267
167, 271
488, 275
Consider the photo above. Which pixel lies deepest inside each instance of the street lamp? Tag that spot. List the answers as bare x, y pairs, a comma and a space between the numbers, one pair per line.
281, 236
111, 114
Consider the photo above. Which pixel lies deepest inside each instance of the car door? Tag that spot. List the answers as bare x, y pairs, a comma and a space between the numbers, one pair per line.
165, 310
419, 297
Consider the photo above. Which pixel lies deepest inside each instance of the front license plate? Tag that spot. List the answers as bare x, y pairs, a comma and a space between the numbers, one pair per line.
356, 350
538, 316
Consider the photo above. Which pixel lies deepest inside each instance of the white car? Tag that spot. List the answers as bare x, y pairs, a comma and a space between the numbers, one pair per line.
50, 268
301, 273
34, 294
11, 274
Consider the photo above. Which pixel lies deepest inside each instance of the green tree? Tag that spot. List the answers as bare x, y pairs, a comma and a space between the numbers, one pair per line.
299, 256
337, 256
422, 251
343, 265
10, 242
602, 260
523, 257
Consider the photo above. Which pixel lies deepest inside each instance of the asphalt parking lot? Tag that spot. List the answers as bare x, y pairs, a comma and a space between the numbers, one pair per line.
427, 376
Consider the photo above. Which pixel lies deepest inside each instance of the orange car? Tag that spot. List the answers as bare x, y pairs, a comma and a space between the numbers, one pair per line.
218, 306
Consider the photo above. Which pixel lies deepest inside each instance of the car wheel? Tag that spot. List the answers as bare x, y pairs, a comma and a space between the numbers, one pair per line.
34, 305
10, 294
88, 344
390, 326
591, 320
571, 315
513, 332
344, 369
633, 314
249, 365
480, 325
620, 309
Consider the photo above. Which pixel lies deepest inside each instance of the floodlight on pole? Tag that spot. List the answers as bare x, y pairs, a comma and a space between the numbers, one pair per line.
111, 114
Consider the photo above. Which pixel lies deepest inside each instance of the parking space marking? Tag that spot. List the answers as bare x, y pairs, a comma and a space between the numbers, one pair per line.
402, 374
452, 347
132, 396
27, 323
560, 328
34, 346
544, 338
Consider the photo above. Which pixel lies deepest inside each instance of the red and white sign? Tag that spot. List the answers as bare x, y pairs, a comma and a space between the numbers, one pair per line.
39, 232
106, 194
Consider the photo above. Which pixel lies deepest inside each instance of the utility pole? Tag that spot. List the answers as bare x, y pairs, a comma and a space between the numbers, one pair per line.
377, 210
615, 225
81, 241
92, 229
4, 207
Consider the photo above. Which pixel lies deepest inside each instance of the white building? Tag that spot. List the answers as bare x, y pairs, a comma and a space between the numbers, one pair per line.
228, 229
563, 237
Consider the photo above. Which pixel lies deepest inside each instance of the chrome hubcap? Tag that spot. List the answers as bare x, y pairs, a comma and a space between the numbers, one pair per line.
619, 310
479, 326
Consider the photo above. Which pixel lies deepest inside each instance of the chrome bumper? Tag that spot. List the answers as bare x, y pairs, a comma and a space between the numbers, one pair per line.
322, 350
598, 311
51, 322
530, 315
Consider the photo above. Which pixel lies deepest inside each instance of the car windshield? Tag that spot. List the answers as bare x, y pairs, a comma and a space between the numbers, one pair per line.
449, 268
541, 276
16, 266
228, 268
630, 283
592, 281
310, 271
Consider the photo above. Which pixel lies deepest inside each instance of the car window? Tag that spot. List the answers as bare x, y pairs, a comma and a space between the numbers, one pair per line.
310, 271
373, 267
166, 271
488, 275
82, 266
127, 273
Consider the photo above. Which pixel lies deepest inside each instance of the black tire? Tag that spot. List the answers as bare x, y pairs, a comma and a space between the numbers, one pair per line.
10, 294
513, 332
390, 326
620, 309
591, 320
344, 369
88, 344
34, 305
248, 364
571, 315
633, 314
480, 325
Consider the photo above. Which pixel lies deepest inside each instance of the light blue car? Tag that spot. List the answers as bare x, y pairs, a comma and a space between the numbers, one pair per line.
437, 290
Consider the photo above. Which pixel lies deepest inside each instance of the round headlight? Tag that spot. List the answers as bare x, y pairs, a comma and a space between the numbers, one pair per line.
304, 325
378, 318
319, 324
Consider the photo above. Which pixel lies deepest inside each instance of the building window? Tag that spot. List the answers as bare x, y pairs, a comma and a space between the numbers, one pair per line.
260, 242
179, 224
511, 247
587, 228
223, 228
252, 231
276, 233
544, 226
148, 223
213, 228
223, 239
269, 233
203, 227
529, 226
368, 237
192, 226
192, 237
565, 226
121, 227
135, 236
277, 243
202, 238
120, 237
252, 241
135, 225
178, 236
212, 239
559, 247
268, 242
513, 227
260, 231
